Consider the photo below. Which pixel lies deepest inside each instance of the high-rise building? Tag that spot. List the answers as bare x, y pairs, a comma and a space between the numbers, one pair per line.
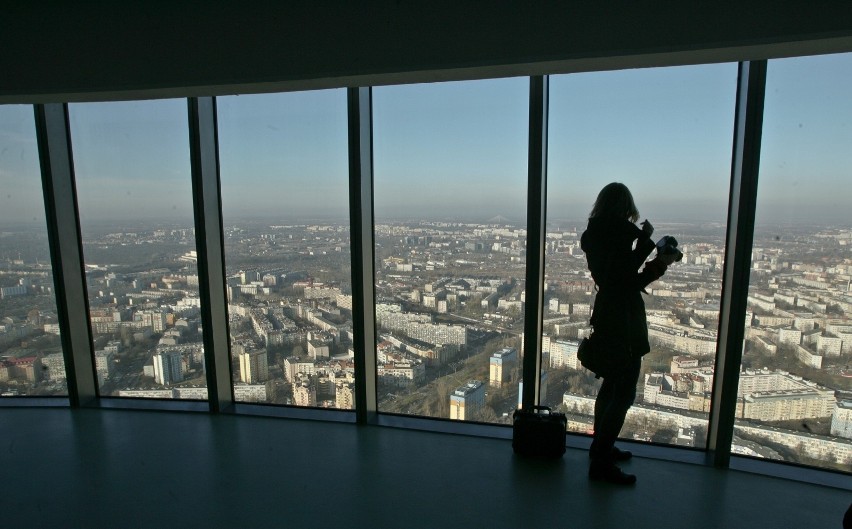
841, 419
502, 366
254, 366
563, 353
345, 396
467, 401
55, 364
304, 391
167, 367
103, 365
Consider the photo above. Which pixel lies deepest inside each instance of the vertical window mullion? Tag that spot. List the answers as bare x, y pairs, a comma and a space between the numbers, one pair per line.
536, 218
63, 226
742, 202
360, 109
206, 191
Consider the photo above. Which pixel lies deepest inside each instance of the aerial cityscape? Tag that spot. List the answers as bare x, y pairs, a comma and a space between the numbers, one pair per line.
449, 315
450, 164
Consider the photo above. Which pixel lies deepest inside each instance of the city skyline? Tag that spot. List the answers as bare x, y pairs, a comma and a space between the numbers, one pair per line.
449, 300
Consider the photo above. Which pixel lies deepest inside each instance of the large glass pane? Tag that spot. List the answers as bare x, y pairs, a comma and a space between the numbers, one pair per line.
795, 393
666, 134
450, 216
135, 197
286, 216
31, 361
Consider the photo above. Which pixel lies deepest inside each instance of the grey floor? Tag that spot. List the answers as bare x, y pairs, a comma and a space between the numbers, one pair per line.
65, 468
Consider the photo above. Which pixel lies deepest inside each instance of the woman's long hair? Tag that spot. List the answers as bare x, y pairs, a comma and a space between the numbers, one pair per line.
615, 201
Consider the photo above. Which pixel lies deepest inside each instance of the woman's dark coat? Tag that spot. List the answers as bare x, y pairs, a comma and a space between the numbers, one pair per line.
619, 313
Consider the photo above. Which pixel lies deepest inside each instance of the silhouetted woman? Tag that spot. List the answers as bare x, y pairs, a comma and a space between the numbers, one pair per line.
615, 250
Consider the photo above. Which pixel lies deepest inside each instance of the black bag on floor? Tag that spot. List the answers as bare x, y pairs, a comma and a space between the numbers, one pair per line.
538, 432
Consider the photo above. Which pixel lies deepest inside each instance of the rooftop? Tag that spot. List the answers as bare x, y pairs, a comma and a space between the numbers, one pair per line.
468, 388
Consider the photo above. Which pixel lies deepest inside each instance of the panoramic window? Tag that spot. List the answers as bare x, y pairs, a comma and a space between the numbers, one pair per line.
285, 208
31, 360
134, 189
450, 245
795, 390
666, 133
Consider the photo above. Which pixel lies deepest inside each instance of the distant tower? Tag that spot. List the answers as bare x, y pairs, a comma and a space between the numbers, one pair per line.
253, 367
167, 367
466, 401
502, 366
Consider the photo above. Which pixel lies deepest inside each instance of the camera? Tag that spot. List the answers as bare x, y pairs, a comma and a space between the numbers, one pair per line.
668, 246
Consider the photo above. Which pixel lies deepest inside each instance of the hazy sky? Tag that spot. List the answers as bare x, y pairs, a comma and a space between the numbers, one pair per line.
21, 199
284, 154
452, 149
665, 132
131, 160
459, 149
806, 154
